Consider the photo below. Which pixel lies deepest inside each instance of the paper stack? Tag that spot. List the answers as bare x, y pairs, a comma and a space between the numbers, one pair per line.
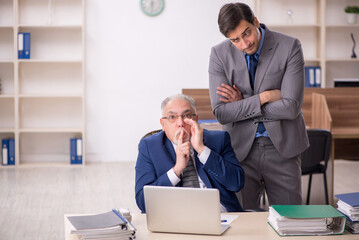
348, 204
306, 220
110, 226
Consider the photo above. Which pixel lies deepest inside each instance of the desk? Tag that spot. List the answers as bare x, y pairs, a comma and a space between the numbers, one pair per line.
248, 226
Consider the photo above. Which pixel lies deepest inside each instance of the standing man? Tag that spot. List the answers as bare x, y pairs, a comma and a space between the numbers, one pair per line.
256, 82
185, 155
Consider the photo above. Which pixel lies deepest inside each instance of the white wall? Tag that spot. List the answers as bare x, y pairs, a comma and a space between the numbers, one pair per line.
134, 61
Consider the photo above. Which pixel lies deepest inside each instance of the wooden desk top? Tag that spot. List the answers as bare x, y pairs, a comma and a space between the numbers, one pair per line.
248, 226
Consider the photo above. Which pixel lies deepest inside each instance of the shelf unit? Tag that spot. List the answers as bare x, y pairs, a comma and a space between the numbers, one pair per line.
42, 99
325, 39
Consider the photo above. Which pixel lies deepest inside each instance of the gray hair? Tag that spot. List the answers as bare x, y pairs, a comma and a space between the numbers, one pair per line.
179, 96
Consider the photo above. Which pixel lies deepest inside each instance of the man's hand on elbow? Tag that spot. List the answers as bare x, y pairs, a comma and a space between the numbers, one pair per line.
229, 94
270, 96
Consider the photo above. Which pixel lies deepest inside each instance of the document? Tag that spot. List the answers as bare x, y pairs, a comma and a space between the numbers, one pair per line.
306, 220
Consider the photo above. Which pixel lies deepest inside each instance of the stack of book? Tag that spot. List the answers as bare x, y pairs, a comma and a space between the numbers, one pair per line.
306, 220
348, 204
111, 225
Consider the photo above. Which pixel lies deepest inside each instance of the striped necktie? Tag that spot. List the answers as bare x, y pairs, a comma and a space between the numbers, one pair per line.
189, 175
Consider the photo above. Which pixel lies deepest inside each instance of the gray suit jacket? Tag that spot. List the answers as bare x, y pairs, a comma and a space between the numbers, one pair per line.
280, 66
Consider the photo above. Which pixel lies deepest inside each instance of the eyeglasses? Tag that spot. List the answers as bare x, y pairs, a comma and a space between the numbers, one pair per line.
172, 117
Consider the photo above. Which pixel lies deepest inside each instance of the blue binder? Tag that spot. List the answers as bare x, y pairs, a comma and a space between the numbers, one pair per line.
79, 150
312, 76
350, 198
76, 151
5, 152
317, 74
11, 156
23, 45
73, 157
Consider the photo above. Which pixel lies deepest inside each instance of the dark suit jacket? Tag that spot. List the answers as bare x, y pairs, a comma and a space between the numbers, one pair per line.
280, 66
222, 170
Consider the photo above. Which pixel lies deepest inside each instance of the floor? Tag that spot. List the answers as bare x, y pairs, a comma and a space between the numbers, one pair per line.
33, 201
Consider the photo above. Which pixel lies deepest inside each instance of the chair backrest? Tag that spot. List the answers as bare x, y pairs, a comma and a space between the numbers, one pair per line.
319, 150
151, 133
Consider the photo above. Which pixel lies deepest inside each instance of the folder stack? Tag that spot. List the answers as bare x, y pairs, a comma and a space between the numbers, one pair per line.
348, 204
306, 220
109, 225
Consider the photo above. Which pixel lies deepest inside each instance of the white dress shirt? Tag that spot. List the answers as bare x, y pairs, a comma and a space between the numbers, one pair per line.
203, 157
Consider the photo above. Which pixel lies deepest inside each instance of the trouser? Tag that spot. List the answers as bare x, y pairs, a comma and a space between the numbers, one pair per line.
265, 169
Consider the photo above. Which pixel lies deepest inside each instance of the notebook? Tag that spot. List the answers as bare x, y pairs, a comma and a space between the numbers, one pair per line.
183, 210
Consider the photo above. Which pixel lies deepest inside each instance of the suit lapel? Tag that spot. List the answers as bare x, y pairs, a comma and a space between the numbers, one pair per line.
199, 166
169, 149
267, 52
242, 70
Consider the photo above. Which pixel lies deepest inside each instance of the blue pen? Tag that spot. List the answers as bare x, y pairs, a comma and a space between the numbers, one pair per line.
223, 220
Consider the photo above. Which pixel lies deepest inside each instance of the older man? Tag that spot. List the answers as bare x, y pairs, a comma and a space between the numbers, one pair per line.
183, 154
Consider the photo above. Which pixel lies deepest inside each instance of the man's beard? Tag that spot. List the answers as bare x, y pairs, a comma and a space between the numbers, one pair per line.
186, 136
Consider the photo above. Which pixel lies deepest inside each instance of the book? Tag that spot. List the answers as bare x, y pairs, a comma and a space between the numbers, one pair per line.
23, 45
5, 152
348, 204
306, 220
108, 225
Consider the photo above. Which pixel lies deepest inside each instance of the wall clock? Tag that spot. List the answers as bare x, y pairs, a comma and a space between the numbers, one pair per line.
152, 7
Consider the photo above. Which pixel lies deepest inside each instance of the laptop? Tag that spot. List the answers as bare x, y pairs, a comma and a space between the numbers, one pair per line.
183, 210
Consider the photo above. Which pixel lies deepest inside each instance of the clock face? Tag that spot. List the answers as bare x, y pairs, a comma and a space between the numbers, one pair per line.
152, 7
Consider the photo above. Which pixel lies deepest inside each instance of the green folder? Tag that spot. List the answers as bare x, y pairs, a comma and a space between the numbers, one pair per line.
306, 220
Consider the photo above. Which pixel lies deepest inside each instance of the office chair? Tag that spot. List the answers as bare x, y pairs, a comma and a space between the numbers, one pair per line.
151, 133
315, 158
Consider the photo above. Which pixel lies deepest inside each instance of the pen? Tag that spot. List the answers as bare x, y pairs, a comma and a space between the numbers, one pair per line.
223, 220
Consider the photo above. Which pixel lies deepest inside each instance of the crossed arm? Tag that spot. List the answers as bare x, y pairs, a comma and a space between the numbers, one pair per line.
275, 104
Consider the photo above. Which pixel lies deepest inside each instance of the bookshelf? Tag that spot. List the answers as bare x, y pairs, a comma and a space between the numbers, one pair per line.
322, 28
42, 99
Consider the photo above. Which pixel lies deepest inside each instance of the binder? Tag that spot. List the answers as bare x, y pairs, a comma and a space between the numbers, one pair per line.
348, 204
76, 151
4, 151
23, 45
349, 198
307, 77
79, 150
312, 76
108, 225
11, 152
73, 157
318, 80
307, 220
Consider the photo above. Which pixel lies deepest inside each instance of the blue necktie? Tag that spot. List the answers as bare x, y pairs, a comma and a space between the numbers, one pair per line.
253, 63
252, 67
